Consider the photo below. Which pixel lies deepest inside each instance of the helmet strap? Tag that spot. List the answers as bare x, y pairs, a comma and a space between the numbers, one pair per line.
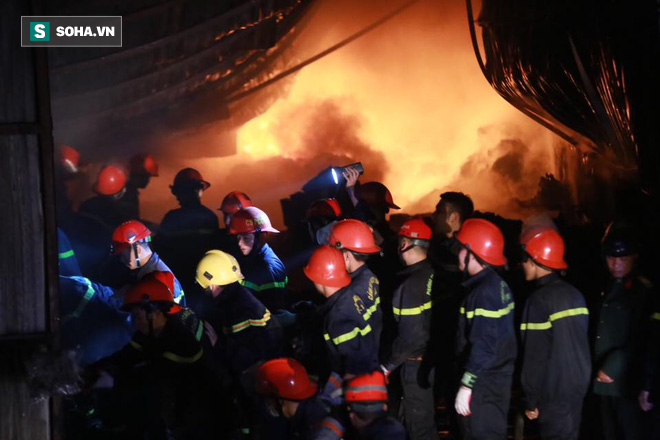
137, 258
466, 261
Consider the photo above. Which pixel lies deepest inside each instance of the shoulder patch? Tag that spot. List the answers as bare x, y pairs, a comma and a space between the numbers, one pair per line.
359, 305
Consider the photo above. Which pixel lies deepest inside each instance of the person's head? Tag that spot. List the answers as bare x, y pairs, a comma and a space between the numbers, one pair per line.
320, 215
232, 203
366, 399
543, 253
111, 182
130, 241
619, 248
326, 269
453, 209
216, 270
286, 382
356, 241
142, 167
250, 226
149, 301
414, 240
378, 198
482, 245
188, 186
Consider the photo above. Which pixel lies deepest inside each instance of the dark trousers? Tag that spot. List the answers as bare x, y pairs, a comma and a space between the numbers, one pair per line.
418, 402
560, 420
489, 407
622, 419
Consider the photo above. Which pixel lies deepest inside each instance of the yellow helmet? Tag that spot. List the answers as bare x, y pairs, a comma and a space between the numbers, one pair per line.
218, 268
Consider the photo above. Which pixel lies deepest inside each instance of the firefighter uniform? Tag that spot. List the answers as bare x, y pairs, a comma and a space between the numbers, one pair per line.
349, 338
365, 284
252, 335
384, 428
621, 333
67, 262
149, 372
487, 351
556, 357
265, 276
412, 307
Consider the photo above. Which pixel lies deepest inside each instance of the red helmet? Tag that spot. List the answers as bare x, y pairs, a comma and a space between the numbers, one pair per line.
326, 267
143, 164
70, 158
286, 378
483, 239
188, 177
128, 233
353, 235
151, 290
376, 194
367, 388
546, 247
416, 229
249, 220
327, 208
234, 202
111, 180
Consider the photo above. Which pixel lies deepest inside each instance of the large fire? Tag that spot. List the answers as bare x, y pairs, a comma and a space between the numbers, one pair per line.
408, 100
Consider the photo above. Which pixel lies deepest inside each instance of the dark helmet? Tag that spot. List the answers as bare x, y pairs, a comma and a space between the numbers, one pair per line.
619, 240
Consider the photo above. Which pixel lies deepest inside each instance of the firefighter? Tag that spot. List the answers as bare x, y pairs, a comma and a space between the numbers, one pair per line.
187, 233
265, 274
149, 371
67, 261
621, 332
232, 203
251, 334
350, 341
142, 167
486, 337
104, 208
356, 242
321, 217
294, 395
412, 308
131, 242
556, 365
366, 399
240, 328
192, 216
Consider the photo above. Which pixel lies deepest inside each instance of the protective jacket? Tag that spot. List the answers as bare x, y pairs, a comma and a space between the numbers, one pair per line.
251, 334
486, 336
350, 340
365, 284
412, 308
554, 333
621, 334
265, 276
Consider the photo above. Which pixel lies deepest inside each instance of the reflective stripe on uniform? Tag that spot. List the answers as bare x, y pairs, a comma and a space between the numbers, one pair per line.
260, 287
371, 310
89, 294
200, 330
414, 310
135, 345
334, 426
179, 298
655, 316
251, 322
348, 336
488, 313
65, 255
183, 359
555, 316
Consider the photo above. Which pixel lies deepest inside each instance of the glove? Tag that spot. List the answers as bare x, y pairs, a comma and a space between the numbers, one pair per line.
285, 318
386, 373
462, 403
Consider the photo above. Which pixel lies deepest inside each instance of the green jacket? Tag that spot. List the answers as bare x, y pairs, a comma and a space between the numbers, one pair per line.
620, 336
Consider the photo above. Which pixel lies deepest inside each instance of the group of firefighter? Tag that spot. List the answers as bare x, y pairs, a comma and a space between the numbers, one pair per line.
363, 333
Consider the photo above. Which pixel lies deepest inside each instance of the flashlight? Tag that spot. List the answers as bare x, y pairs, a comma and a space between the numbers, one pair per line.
337, 171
